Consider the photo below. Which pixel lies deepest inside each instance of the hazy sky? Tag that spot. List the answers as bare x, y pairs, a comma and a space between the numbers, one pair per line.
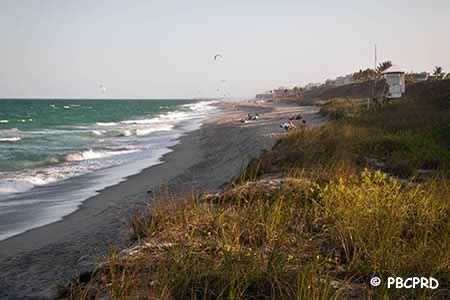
154, 49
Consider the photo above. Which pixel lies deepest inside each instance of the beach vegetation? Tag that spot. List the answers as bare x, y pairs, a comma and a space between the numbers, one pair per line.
316, 217
383, 66
438, 72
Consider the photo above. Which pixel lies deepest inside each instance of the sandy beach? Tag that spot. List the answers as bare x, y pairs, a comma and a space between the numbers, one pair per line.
36, 262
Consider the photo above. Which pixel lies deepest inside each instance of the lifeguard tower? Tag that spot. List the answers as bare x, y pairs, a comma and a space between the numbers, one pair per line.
395, 79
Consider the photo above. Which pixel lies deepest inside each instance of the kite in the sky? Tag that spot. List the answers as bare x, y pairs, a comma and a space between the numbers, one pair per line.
217, 57
102, 88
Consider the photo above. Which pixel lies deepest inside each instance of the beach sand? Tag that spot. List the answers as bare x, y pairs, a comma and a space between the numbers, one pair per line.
35, 263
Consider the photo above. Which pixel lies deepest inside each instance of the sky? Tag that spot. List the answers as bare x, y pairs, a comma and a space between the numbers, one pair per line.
166, 48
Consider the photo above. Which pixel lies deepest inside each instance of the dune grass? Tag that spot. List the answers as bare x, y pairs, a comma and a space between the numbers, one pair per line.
314, 218
405, 138
299, 237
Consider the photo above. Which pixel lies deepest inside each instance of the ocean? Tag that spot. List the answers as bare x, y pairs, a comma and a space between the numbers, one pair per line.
46, 145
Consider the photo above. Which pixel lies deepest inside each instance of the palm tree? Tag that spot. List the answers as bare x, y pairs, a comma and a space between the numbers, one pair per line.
437, 72
384, 66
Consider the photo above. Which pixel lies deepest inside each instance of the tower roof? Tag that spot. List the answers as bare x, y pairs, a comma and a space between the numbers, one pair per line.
394, 69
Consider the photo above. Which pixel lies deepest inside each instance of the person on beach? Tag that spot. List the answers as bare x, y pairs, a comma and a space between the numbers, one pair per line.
292, 125
288, 126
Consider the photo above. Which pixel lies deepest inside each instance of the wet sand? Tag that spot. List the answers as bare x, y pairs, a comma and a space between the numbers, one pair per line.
35, 263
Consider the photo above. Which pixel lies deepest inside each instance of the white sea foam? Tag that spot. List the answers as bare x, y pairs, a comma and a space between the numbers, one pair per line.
98, 132
22, 181
10, 139
140, 122
106, 124
4, 121
201, 106
178, 115
147, 131
12, 186
10, 131
126, 132
91, 154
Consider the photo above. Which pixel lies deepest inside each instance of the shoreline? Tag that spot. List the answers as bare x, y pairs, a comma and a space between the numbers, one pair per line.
85, 189
100, 154
219, 148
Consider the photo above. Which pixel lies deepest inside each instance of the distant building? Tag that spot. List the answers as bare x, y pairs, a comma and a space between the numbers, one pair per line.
344, 80
395, 79
284, 93
281, 93
311, 86
330, 82
264, 96
421, 76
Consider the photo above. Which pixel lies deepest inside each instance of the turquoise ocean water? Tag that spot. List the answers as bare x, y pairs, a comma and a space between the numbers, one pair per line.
46, 143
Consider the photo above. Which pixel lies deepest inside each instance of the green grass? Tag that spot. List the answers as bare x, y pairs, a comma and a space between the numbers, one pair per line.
404, 136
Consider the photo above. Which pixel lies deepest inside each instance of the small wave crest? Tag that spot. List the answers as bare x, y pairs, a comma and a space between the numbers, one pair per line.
98, 132
10, 186
106, 124
147, 131
56, 169
126, 132
201, 106
97, 154
10, 139
139, 122
26, 180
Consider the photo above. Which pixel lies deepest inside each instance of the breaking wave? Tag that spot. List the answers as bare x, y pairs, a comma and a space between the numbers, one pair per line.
97, 154
10, 139
111, 143
106, 124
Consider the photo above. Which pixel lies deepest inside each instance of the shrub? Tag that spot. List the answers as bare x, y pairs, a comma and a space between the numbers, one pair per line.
388, 229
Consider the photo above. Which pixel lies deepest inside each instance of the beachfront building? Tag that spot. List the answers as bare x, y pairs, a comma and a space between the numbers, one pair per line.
264, 96
311, 86
282, 93
395, 79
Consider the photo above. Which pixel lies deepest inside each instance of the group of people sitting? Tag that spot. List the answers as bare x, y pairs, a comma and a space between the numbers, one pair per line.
290, 125
250, 117
253, 117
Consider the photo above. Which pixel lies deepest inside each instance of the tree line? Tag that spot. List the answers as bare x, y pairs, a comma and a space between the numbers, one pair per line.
376, 74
